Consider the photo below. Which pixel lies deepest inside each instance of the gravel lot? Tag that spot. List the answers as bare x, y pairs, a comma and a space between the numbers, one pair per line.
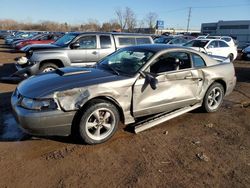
193, 150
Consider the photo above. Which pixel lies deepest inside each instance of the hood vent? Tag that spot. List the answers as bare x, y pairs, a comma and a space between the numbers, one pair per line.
71, 71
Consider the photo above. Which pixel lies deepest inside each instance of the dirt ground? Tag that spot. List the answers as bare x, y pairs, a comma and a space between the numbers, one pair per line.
194, 150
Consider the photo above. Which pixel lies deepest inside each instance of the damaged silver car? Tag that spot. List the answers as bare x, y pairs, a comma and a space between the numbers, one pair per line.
159, 82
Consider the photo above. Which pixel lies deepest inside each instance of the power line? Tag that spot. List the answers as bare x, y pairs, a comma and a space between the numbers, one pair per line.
222, 6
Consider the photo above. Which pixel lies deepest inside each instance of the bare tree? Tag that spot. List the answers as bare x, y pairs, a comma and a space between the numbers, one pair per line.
120, 18
130, 19
150, 19
126, 18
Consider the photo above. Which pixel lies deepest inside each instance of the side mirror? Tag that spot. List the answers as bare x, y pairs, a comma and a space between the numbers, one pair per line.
75, 45
151, 80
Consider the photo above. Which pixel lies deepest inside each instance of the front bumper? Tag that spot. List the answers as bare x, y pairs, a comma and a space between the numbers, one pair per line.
231, 85
246, 56
42, 123
29, 69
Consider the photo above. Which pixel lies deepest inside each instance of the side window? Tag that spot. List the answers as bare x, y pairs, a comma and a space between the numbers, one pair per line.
176, 41
183, 41
223, 44
87, 42
198, 61
171, 61
213, 44
143, 41
105, 41
124, 41
45, 37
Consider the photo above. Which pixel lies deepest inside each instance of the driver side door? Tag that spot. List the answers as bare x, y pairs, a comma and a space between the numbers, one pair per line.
178, 85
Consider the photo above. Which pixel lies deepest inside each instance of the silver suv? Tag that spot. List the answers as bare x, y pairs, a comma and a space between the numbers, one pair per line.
80, 49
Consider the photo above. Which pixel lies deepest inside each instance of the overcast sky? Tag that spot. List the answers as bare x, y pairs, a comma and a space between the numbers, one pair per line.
174, 13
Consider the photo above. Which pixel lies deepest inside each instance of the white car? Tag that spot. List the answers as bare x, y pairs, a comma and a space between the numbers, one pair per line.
215, 47
227, 39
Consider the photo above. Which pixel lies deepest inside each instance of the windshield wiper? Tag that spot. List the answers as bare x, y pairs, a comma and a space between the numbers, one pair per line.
113, 69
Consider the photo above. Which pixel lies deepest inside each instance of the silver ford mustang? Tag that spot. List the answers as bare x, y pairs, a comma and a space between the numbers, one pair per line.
159, 82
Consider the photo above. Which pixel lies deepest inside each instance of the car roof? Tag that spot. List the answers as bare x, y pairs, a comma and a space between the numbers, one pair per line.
111, 33
208, 39
158, 47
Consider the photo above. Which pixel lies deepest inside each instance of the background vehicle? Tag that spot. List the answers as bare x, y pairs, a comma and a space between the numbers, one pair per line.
215, 47
5, 33
38, 39
80, 49
228, 39
138, 81
175, 40
246, 53
20, 36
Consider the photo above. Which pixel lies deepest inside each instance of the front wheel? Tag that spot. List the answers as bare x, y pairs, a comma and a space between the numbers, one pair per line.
99, 122
47, 67
231, 57
213, 98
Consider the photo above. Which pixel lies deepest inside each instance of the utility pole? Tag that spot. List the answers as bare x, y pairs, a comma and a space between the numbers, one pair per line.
189, 16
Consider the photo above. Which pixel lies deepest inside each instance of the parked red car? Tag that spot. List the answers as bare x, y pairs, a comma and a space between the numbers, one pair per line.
43, 39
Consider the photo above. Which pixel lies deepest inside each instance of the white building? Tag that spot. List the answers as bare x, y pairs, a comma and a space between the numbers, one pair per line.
240, 30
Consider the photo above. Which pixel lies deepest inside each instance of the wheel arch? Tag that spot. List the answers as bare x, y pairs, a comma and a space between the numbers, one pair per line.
222, 82
78, 114
57, 62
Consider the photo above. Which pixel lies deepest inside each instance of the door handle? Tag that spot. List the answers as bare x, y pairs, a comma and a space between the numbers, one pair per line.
194, 78
189, 76
94, 52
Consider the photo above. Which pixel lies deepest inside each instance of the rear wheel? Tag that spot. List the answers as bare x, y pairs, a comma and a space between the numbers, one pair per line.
213, 98
231, 57
47, 67
99, 122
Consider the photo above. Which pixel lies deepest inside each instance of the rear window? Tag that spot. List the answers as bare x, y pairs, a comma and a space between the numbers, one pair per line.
196, 43
223, 44
123, 41
143, 41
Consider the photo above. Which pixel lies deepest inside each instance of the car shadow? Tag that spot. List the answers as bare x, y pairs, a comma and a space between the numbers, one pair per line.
7, 69
242, 74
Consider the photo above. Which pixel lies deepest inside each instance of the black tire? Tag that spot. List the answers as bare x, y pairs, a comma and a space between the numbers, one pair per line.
47, 67
231, 57
93, 130
213, 98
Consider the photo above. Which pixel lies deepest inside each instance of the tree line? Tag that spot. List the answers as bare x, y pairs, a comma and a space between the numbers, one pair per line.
125, 21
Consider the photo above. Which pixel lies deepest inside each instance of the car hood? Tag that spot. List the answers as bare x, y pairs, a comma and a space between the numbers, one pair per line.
247, 49
39, 47
45, 84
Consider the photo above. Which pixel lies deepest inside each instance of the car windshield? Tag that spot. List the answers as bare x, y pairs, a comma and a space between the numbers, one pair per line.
196, 43
161, 40
36, 37
65, 40
126, 61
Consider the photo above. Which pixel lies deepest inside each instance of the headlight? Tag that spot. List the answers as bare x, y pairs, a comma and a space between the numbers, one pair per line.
38, 104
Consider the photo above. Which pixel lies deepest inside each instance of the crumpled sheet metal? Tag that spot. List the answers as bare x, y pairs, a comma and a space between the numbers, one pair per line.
72, 99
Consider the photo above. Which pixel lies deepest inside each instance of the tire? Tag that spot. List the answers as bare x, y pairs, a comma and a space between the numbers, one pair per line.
99, 122
213, 98
47, 67
231, 57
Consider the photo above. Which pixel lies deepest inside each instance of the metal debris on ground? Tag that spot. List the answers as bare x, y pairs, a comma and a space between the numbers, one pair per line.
196, 142
245, 104
202, 157
209, 125
166, 133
